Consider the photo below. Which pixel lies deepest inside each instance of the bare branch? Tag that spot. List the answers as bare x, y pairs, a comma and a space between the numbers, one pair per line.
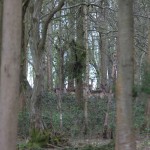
42, 41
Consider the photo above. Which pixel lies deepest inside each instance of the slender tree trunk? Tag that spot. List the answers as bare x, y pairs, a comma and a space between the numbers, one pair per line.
80, 49
86, 88
79, 91
125, 139
107, 131
104, 85
148, 100
72, 20
24, 85
61, 59
49, 61
61, 73
10, 71
103, 58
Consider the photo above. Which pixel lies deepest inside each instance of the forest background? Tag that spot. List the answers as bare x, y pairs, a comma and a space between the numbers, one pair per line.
84, 72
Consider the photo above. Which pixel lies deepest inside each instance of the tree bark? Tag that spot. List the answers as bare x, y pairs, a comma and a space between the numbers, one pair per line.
86, 88
80, 50
49, 61
10, 71
103, 58
72, 20
1, 11
125, 139
148, 72
25, 88
61, 73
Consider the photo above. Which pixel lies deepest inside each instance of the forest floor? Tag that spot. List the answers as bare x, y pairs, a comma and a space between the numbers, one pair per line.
80, 144
84, 142
142, 144
96, 144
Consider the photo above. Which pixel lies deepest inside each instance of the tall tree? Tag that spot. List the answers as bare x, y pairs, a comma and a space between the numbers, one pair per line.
72, 25
25, 88
124, 133
147, 84
80, 56
38, 56
86, 88
10, 70
39, 40
103, 65
49, 60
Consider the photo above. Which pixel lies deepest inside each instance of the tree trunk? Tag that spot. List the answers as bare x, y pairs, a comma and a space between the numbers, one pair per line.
79, 91
148, 70
36, 99
86, 88
61, 73
35, 110
49, 61
1, 11
61, 58
103, 58
125, 139
72, 20
25, 88
10, 71
80, 50
38, 59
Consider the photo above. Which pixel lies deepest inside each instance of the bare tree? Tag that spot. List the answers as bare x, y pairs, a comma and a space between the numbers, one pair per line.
39, 58
10, 70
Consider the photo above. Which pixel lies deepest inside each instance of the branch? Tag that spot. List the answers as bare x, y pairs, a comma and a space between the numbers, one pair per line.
90, 4
45, 27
